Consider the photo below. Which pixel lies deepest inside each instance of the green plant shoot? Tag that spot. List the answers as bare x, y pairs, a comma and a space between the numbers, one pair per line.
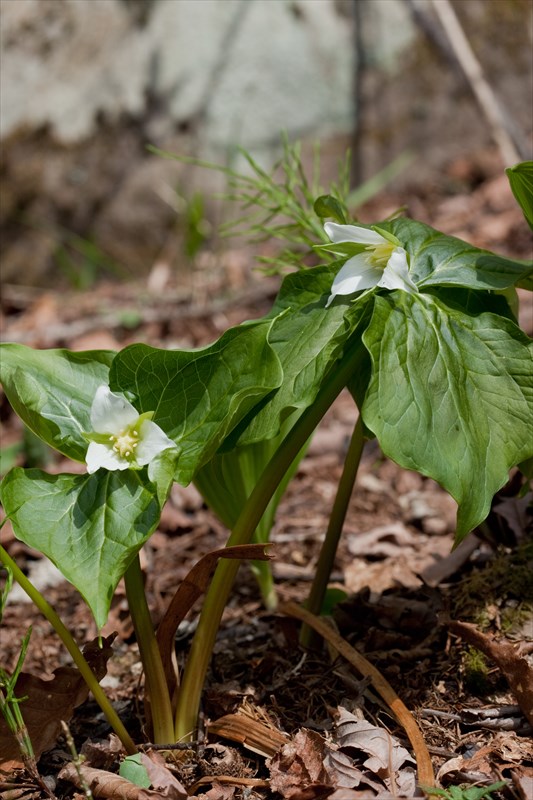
420, 326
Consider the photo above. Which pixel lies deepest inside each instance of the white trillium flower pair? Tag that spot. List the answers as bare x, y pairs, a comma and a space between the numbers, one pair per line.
383, 262
121, 437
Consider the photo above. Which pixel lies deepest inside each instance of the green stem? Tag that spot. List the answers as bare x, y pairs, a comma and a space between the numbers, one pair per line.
156, 685
308, 638
262, 571
77, 656
217, 595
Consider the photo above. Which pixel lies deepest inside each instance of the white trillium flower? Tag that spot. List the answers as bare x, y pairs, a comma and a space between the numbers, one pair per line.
383, 262
121, 437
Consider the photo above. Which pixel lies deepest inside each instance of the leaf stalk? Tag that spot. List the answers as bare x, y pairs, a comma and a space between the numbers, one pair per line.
154, 673
77, 656
308, 637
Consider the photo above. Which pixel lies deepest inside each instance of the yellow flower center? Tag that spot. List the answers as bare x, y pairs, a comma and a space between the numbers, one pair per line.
125, 443
379, 254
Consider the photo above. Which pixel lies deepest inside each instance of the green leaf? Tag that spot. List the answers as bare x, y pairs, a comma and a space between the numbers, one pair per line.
9, 455
161, 473
450, 396
479, 792
52, 392
343, 250
307, 340
439, 260
521, 182
133, 770
199, 396
89, 526
327, 206
333, 597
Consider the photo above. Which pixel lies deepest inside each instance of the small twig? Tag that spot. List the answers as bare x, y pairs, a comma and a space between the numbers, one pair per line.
478, 83
498, 722
170, 746
77, 760
230, 780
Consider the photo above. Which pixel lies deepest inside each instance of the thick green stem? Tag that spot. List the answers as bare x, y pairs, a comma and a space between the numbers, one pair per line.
77, 656
216, 597
328, 550
154, 674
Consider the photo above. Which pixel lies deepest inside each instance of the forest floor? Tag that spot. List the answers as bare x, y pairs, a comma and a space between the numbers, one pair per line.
321, 727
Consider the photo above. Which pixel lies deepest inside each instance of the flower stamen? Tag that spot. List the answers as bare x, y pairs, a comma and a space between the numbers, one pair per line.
125, 442
379, 255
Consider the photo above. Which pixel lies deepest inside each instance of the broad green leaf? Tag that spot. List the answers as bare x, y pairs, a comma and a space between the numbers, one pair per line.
307, 339
450, 396
467, 301
52, 392
89, 526
332, 597
133, 770
199, 396
327, 206
161, 473
440, 260
521, 182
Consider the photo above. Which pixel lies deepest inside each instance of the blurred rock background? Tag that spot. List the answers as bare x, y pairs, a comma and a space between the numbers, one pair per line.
87, 84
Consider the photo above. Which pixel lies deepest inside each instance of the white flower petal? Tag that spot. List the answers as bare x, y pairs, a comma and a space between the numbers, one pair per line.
100, 455
152, 441
352, 233
111, 413
357, 274
396, 273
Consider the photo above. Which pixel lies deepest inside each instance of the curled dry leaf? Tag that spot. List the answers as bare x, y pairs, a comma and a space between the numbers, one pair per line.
253, 734
385, 755
297, 770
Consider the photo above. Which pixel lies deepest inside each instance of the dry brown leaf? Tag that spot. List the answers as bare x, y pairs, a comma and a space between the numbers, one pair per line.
438, 571
505, 751
43, 705
384, 751
297, 770
523, 780
516, 512
161, 777
102, 755
339, 764
253, 734
381, 541
365, 794
381, 575
112, 787
218, 792
49, 702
